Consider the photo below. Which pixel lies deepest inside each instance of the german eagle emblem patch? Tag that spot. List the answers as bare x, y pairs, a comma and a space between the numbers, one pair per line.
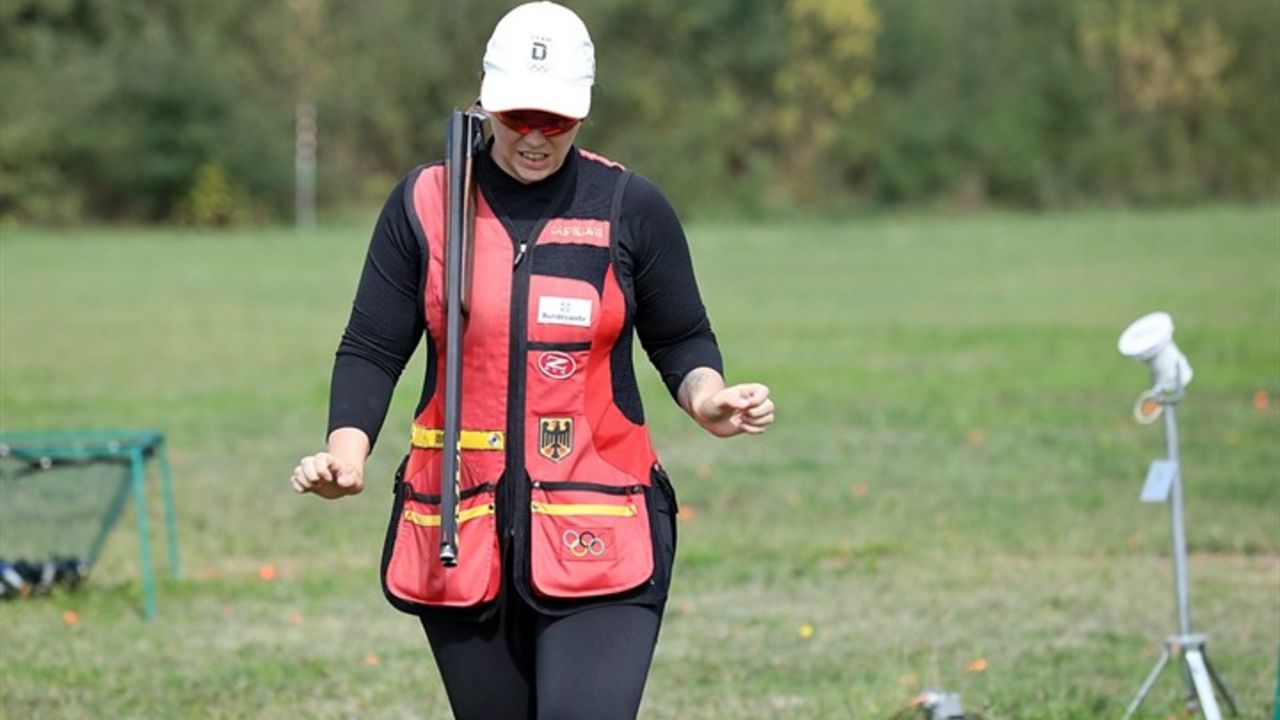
555, 438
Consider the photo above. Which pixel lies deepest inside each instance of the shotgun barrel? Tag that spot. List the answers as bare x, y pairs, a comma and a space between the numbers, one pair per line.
460, 148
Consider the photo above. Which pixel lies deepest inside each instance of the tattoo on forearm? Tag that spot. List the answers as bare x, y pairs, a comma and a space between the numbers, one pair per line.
690, 386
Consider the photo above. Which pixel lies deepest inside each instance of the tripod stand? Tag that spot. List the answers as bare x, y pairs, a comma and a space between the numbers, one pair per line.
1164, 482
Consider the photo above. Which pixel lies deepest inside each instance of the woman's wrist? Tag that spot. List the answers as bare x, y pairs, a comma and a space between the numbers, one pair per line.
351, 445
698, 385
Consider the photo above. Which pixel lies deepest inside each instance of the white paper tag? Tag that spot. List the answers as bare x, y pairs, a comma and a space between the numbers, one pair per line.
564, 311
1160, 478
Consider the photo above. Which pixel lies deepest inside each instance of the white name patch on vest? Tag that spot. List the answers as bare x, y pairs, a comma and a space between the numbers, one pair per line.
564, 311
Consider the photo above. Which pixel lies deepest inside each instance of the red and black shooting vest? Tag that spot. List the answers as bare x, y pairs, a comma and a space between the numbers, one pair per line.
559, 479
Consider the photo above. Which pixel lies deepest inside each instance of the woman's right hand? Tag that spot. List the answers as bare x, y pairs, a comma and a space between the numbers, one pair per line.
337, 472
328, 476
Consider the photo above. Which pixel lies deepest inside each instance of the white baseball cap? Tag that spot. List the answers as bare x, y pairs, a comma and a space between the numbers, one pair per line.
540, 57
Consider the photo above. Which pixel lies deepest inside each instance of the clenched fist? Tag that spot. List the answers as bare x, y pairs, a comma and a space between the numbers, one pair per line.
327, 475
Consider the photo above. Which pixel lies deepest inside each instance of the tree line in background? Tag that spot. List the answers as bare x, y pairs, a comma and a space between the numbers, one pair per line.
184, 111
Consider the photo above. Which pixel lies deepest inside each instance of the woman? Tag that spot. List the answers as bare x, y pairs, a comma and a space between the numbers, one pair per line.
566, 521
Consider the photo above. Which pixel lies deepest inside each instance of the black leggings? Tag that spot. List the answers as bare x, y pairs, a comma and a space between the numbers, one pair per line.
523, 665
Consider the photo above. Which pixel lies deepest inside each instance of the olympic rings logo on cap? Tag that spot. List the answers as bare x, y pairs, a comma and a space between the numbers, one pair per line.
583, 543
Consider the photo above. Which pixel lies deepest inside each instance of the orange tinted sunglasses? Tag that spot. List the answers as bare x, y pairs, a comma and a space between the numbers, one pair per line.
526, 121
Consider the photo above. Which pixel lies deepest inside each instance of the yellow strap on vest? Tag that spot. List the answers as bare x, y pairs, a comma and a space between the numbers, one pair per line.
583, 509
433, 439
433, 520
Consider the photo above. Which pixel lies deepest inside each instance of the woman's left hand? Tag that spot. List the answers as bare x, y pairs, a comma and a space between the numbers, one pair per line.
737, 409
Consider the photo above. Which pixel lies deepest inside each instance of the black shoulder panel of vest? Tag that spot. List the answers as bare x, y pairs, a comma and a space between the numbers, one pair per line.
596, 180
579, 262
412, 211
596, 184
626, 394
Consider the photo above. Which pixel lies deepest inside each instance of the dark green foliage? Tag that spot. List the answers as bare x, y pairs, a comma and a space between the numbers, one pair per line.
115, 110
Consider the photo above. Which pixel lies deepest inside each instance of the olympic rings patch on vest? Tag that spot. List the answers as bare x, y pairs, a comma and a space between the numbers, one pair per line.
586, 544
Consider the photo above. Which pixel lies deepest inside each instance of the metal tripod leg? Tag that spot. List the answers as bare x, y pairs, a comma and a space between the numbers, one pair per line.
1148, 683
1220, 683
1190, 693
1203, 683
1199, 674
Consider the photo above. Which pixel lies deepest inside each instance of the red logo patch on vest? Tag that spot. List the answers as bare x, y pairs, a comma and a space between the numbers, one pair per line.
577, 229
557, 365
555, 438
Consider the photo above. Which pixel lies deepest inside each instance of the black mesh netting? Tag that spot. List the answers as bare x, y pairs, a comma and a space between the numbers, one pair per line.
55, 514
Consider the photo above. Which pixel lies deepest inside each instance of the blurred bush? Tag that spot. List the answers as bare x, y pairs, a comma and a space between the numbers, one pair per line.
117, 110
214, 199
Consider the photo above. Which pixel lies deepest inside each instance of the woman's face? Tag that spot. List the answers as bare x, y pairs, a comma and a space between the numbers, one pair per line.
532, 156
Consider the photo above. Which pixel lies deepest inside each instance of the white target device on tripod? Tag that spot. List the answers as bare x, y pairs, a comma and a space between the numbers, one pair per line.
1149, 339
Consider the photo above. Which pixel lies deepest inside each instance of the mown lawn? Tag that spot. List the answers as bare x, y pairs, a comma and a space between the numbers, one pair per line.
948, 499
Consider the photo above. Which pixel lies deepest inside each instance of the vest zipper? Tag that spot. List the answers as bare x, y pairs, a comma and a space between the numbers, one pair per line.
515, 391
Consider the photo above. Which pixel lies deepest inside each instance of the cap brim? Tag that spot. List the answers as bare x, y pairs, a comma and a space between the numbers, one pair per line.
499, 93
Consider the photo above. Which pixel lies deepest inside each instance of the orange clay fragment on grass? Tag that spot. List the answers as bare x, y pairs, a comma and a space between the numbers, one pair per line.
267, 573
70, 618
978, 665
860, 489
371, 660
1261, 401
976, 437
687, 513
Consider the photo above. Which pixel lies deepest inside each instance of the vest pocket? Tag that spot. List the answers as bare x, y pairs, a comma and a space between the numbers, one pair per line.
415, 573
589, 539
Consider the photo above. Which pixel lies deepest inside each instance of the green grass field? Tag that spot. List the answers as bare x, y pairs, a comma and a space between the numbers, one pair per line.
953, 476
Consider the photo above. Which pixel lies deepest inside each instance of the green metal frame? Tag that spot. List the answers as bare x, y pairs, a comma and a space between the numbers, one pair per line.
1275, 706
133, 446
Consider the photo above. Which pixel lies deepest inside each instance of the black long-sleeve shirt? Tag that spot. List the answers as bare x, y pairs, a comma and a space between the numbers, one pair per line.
387, 319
